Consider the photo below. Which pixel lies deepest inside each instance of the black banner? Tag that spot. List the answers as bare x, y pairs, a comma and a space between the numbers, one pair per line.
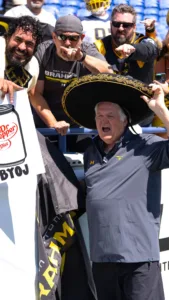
59, 236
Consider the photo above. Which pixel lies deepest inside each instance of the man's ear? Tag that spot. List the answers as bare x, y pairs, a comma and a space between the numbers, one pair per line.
125, 122
82, 36
53, 35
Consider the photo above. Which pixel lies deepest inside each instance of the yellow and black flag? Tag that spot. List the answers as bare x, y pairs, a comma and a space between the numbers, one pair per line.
64, 267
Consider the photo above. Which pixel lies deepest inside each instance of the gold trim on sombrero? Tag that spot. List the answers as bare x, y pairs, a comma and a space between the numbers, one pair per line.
119, 79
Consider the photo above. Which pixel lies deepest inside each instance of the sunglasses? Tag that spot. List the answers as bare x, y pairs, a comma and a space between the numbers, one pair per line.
125, 24
72, 38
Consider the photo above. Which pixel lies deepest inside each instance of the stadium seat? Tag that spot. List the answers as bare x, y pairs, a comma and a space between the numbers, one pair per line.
70, 3
140, 17
117, 2
52, 2
1, 6
83, 13
152, 13
140, 27
53, 9
164, 4
67, 11
152, 3
111, 7
82, 4
161, 30
136, 3
139, 9
155, 17
163, 12
162, 20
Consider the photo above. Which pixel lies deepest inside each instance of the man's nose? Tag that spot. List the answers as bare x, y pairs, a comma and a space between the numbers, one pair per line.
121, 28
105, 119
22, 46
67, 43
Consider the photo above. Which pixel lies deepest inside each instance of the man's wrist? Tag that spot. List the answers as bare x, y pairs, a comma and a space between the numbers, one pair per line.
163, 113
53, 124
83, 56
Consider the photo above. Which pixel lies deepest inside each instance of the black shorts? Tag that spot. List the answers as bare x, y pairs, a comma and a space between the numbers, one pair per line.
128, 281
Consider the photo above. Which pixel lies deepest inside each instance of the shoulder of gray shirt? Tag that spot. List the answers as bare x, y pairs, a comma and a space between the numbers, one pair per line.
91, 50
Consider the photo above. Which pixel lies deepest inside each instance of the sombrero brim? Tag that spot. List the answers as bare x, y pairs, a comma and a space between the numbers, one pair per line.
82, 95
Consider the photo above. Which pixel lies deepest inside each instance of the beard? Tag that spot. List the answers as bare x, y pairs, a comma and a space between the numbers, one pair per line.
36, 5
14, 61
120, 40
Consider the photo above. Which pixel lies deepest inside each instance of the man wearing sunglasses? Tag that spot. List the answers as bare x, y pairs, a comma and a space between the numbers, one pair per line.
129, 52
62, 60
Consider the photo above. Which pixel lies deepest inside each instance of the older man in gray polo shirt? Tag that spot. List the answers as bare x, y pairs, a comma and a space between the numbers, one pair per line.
123, 183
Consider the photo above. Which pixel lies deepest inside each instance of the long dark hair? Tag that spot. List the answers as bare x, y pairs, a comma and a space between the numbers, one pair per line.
26, 23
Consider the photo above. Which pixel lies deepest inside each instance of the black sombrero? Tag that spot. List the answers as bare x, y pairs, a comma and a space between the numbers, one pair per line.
81, 96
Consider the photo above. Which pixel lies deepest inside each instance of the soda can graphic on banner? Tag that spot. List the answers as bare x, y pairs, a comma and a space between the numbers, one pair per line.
12, 146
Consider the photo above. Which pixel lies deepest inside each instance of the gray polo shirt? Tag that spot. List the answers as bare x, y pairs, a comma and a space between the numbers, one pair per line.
123, 198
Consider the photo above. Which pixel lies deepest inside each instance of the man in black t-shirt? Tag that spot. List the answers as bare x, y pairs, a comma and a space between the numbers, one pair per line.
62, 60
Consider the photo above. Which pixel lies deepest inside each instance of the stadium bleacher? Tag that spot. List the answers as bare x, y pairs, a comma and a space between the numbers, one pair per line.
155, 9
1, 6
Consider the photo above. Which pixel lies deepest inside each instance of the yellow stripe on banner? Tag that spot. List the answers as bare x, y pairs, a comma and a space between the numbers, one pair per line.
60, 80
60, 236
63, 263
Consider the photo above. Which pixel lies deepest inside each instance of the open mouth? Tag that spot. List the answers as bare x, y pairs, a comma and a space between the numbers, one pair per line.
37, 1
19, 54
105, 129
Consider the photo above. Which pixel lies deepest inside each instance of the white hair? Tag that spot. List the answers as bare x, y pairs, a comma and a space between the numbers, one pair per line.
122, 115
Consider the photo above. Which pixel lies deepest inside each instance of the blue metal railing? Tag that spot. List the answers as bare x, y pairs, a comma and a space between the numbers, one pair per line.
74, 131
